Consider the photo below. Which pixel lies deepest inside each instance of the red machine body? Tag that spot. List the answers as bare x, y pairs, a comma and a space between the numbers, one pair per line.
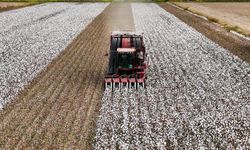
127, 61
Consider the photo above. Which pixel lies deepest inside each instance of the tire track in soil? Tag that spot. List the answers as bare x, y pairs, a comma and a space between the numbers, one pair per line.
60, 107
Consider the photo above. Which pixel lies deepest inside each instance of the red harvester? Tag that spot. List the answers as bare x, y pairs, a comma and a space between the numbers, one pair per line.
127, 60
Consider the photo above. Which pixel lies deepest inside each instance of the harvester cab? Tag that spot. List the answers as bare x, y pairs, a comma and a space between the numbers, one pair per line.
127, 61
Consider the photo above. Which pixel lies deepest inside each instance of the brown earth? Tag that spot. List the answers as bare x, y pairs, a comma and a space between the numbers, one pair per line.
59, 109
230, 14
235, 44
9, 4
4, 6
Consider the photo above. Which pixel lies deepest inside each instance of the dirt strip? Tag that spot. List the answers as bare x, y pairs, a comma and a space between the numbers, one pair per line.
5, 6
235, 44
59, 108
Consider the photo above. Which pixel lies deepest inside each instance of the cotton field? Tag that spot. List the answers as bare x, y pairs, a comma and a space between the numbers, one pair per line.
31, 37
197, 95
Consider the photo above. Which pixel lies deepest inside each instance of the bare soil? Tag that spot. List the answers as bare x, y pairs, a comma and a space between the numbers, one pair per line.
9, 4
58, 110
4, 6
237, 45
234, 14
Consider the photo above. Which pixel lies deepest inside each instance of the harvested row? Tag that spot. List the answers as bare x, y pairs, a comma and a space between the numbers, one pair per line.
31, 37
59, 109
197, 95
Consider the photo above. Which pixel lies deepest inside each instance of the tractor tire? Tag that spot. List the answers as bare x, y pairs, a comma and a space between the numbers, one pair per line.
113, 56
137, 43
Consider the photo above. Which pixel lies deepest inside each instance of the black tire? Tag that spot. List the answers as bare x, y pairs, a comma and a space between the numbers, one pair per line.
113, 45
113, 55
137, 43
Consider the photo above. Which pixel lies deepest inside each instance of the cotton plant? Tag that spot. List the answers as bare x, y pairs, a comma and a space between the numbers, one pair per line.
197, 94
31, 37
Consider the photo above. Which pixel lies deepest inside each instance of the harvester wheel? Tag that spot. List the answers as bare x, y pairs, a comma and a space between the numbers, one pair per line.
137, 43
115, 43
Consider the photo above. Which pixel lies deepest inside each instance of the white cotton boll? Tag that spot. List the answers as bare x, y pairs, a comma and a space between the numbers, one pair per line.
1, 106
197, 95
31, 37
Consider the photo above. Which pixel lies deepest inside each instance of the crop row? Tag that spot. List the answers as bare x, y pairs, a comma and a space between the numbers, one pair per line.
197, 93
31, 37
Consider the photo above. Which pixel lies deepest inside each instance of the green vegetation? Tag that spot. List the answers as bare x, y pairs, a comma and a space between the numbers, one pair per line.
212, 19
208, 0
43, 1
235, 28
